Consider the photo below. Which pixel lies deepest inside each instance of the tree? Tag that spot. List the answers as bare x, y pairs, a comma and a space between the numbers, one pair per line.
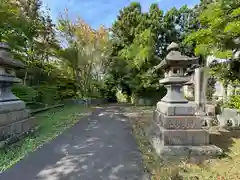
85, 55
220, 26
128, 24
31, 36
10, 24
218, 30
139, 43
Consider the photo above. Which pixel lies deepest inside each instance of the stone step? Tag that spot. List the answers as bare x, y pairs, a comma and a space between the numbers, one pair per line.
182, 136
205, 150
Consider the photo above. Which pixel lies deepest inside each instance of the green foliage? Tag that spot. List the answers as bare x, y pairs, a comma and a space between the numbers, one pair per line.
234, 102
219, 22
121, 97
128, 24
52, 94
31, 34
219, 27
139, 42
141, 50
109, 89
93, 65
85, 55
25, 93
66, 91
47, 94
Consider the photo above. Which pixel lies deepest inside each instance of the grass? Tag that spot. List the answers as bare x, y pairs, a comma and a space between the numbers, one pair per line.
226, 167
223, 168
51, 123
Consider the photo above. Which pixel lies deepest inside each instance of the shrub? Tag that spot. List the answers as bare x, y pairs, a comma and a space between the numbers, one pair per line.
109, 91
47, 94
121, 97
25, 93
66, 89
152, 94
234, 102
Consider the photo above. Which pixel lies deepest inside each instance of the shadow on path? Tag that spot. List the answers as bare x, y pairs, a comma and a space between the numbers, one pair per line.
99, 146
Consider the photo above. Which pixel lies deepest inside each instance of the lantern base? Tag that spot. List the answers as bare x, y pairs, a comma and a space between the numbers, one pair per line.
174, 132
14, 119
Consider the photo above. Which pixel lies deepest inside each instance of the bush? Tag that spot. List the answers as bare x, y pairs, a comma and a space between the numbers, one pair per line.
108, 90
234, 102
53, 93
152, 94
121, 97
47, 94
25, 93
66, 89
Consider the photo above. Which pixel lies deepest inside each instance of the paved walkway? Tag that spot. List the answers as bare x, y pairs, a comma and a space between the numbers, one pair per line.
99, 147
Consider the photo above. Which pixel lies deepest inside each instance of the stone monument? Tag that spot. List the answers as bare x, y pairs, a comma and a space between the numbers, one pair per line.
14, 117
176, 129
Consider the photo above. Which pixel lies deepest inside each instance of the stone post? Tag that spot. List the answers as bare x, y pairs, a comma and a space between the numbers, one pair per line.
176, 130
14, 117
197, 88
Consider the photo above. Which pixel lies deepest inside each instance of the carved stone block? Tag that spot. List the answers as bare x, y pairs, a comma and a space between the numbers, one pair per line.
178, 122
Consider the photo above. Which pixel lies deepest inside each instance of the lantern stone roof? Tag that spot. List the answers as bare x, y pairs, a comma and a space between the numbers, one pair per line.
175, 58
6, 58
173, 46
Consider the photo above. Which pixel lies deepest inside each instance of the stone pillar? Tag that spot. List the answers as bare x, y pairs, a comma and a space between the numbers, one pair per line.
200, 90
197, 87
14, 117
176, 130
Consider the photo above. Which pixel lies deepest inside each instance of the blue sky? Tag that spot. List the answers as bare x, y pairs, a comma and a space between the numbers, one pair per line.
97, 12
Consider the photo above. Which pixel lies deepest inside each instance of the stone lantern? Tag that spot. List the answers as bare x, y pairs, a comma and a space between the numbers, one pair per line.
14, 117
176, 130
